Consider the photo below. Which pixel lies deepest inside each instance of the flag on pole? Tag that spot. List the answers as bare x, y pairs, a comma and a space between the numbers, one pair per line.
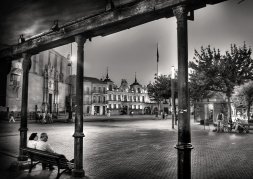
157, 54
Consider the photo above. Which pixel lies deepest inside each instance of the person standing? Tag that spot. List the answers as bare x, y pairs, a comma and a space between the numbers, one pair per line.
12, 117
43, 120
220, 118
108, 113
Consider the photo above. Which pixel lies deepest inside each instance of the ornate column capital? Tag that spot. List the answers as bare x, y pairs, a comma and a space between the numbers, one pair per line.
180, 12
80, 40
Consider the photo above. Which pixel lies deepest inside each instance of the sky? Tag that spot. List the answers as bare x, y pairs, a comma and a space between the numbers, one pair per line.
132, 50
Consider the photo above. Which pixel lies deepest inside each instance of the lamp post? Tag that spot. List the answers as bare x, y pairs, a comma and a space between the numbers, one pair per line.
70, 83
173, 96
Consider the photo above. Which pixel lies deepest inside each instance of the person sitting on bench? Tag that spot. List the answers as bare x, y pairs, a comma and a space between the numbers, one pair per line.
44, 146
33, 140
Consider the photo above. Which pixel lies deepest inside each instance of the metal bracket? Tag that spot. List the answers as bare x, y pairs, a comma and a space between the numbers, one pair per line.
191, 16
182, 111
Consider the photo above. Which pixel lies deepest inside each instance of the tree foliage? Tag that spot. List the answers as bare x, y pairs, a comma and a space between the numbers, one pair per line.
197, 87
244, 96
160, 89
220, 73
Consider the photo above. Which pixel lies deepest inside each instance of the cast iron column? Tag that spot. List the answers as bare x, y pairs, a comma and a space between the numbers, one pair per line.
26, 65
183, 146
78, 135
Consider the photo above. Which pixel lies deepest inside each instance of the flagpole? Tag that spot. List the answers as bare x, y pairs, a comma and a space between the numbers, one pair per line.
157, 60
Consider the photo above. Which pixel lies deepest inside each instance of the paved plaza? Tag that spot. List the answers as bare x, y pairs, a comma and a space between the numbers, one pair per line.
140, 148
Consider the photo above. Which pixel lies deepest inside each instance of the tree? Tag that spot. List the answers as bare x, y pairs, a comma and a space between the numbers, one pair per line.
197, 87
244, 95
160, 89
221, 73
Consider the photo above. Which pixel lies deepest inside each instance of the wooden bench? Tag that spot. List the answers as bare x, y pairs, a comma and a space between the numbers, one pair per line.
39, 156
248, 125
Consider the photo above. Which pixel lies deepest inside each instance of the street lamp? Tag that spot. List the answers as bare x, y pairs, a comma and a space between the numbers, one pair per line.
70, 60
173, 96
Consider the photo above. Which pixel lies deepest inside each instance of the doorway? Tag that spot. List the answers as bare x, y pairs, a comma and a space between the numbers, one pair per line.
50, 103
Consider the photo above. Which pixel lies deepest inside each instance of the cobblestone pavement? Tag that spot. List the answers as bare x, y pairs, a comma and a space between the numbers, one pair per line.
137, 149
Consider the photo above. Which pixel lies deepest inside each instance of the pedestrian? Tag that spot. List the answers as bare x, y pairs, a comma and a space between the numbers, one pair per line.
176, 117
37, 116
33, 140
12, 117
220, 118
49, 118
108, 113
43, 120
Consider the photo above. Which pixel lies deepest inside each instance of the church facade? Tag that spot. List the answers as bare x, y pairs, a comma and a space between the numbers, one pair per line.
48, 83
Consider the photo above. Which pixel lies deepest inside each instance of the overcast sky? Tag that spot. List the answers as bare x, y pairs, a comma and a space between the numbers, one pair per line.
134, 50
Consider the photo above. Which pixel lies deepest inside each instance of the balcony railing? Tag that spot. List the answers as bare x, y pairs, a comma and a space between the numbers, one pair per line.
98, 91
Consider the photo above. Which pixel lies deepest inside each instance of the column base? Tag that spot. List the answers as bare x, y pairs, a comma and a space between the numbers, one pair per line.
20, 165
78, 173
22, 158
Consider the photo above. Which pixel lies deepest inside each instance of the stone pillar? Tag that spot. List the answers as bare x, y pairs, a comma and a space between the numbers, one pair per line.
5, 67
78, 135
23, 124
183, 146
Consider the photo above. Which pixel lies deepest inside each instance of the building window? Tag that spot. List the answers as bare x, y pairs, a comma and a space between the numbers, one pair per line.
110, 87
94, 89
99, 89
139, 90
114, 97
125, 97
119, 98
131, 98
143, 99
110, 106
104, 89
110, 97
94, 99
114, 106
134, 98
99, 99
